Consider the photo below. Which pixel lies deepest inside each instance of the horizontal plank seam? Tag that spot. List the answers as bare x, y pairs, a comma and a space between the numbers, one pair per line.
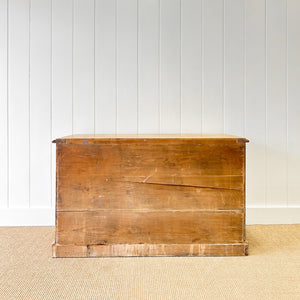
67, 175
153, 210
113, 180
145, 244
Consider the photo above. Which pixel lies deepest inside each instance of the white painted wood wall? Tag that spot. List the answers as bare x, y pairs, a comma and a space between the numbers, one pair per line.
149, 66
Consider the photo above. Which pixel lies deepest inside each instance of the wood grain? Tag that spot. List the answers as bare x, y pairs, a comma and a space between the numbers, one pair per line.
127, 196
85, 192
150, 250
150, 227
144, 158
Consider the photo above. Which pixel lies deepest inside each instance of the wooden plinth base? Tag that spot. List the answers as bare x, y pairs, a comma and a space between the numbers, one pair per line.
237, 249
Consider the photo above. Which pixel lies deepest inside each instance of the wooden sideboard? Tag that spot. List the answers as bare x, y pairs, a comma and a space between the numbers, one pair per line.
150, 195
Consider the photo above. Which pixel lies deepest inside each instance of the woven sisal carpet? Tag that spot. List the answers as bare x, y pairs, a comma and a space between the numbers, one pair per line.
271, 271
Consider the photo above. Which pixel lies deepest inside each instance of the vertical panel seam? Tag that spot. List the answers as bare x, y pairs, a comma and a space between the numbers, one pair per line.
29, 110
73, 13
116, 64
7, 100
244, 101
137, 67
266, 100
224, 100
159, 62
244, 69
94, 66
202, 64
287, 105
51, 99
180, 64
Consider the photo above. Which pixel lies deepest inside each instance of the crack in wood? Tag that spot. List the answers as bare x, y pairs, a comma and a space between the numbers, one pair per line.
184, 185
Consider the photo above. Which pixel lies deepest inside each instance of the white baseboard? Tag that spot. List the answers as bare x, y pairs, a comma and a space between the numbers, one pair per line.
46, 216
27, 216
273, 215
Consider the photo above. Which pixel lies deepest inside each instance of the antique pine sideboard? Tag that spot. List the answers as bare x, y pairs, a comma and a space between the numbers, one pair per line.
150, 195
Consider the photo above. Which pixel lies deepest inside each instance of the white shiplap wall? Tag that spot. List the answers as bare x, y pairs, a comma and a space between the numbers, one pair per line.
149, 66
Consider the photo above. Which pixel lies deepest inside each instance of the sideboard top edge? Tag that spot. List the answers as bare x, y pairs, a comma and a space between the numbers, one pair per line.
95, 137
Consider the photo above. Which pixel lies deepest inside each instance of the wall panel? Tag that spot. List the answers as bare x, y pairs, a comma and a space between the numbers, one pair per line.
276, 103
191, 66
234, 67
255, 101
3, 104
83, 66
127, 100
62, 67
105, 66
148, 66
170, 66
19, 103
293, 102
213, 66
40, 103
